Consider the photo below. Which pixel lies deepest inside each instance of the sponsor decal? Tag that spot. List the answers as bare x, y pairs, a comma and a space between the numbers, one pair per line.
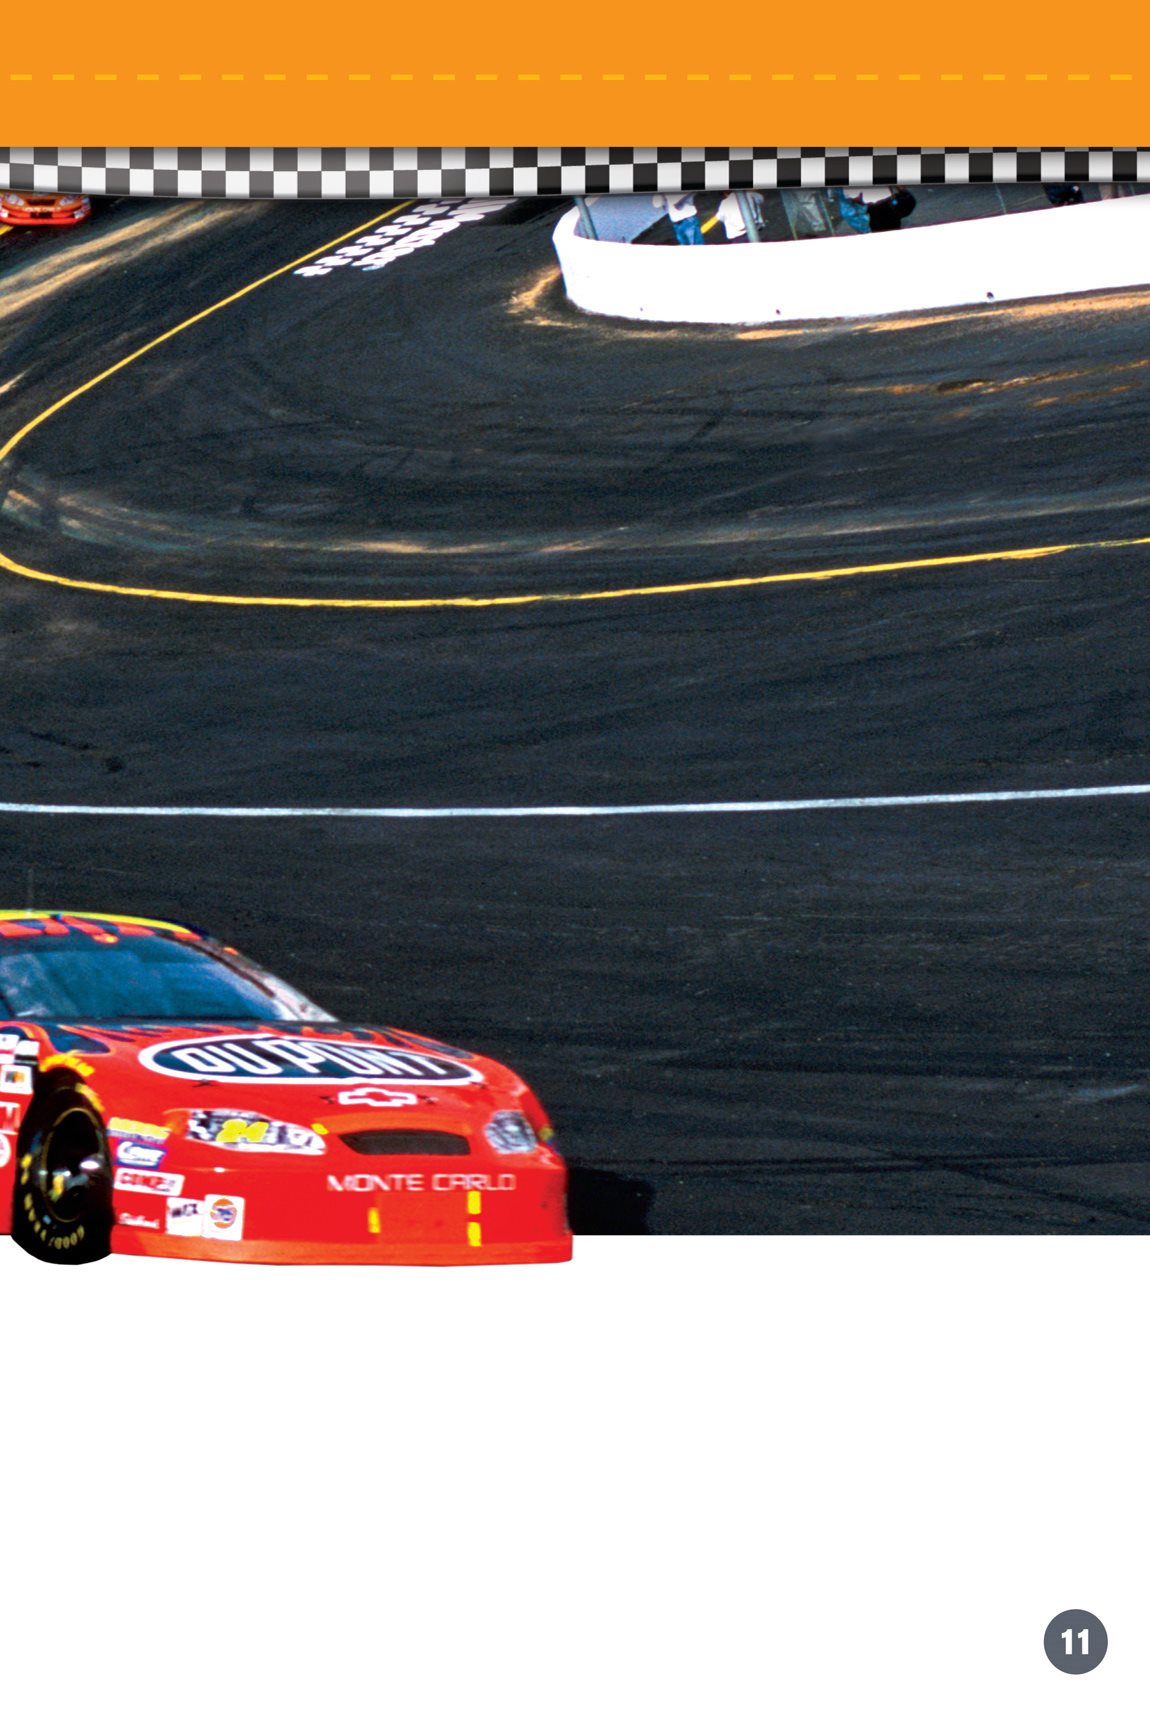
223, 1216
138, 1179
17, 1080
368, 1182
365, 1182
5, 1149
147, 1222
16, 1047
217, 1217
185, 1217
376, 1098
140, 1154
137, 1128
252, 1131
11, 1113
473, 1182
300, 1059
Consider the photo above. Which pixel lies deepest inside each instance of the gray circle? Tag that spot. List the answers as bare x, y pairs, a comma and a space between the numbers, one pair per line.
1075, 1642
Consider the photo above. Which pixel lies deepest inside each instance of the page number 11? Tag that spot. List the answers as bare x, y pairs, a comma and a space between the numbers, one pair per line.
1075, 1642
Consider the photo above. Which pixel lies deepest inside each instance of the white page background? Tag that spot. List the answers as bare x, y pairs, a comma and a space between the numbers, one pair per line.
806, 1479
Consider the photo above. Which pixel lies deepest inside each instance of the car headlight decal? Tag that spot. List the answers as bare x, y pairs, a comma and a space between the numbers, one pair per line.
511, 1133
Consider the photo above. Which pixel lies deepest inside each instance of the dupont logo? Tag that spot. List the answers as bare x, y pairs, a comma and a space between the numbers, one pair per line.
300, 1059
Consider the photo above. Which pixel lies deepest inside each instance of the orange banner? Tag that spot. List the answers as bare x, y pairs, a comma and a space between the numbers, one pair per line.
588, 74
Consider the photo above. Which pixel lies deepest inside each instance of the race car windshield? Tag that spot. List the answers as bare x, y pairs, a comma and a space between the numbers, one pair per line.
144, 978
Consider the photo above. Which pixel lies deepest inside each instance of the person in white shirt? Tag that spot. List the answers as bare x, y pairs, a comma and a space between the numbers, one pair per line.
730, 213
680, 207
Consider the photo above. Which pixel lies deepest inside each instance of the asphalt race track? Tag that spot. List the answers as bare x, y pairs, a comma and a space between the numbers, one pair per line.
918, 1019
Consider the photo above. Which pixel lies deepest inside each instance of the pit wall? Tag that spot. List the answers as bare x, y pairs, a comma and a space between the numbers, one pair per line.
1034, 255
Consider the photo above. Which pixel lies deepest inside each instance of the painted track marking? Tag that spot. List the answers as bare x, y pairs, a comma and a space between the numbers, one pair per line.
1027, 554
459, 602
198, 317
559, 811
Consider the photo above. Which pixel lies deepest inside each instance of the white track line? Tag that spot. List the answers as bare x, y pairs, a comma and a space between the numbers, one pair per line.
576, 811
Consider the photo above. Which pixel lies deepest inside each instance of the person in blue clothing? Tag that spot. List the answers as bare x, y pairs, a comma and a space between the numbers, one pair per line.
873, 210
852, 208
684, 217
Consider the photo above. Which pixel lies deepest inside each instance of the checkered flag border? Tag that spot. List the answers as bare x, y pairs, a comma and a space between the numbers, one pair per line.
259, 173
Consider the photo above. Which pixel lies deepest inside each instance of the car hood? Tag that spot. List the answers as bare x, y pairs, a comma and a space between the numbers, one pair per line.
291, 1071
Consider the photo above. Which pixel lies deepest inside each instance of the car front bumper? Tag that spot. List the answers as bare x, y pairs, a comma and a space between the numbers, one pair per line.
417, 1215
30, 218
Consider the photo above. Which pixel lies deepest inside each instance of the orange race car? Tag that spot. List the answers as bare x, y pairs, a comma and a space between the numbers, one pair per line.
43, 209
162, 1096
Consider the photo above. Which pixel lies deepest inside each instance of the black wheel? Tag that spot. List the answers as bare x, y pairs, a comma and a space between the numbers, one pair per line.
62, 1207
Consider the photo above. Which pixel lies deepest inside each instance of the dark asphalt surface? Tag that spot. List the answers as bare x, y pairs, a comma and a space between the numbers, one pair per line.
907, 1020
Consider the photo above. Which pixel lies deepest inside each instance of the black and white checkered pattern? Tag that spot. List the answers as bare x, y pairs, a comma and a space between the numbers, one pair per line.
257, 173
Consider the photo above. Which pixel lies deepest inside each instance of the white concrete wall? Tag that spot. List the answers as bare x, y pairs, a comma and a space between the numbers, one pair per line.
622, 215
1049, 251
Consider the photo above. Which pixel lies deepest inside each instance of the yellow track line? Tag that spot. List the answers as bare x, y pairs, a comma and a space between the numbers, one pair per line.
1030, 553
1033, 553
158, 341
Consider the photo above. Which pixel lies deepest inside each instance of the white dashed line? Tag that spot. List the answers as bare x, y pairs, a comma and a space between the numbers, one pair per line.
559, 811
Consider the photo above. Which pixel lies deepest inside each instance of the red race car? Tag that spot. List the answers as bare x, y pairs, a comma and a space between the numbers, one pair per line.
42, 209
162, 1096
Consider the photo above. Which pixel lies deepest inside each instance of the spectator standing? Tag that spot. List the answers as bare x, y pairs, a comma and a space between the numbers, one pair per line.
684, 217
852, 209
730, 213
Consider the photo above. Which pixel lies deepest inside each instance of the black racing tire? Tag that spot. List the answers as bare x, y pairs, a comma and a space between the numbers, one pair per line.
62, 1203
